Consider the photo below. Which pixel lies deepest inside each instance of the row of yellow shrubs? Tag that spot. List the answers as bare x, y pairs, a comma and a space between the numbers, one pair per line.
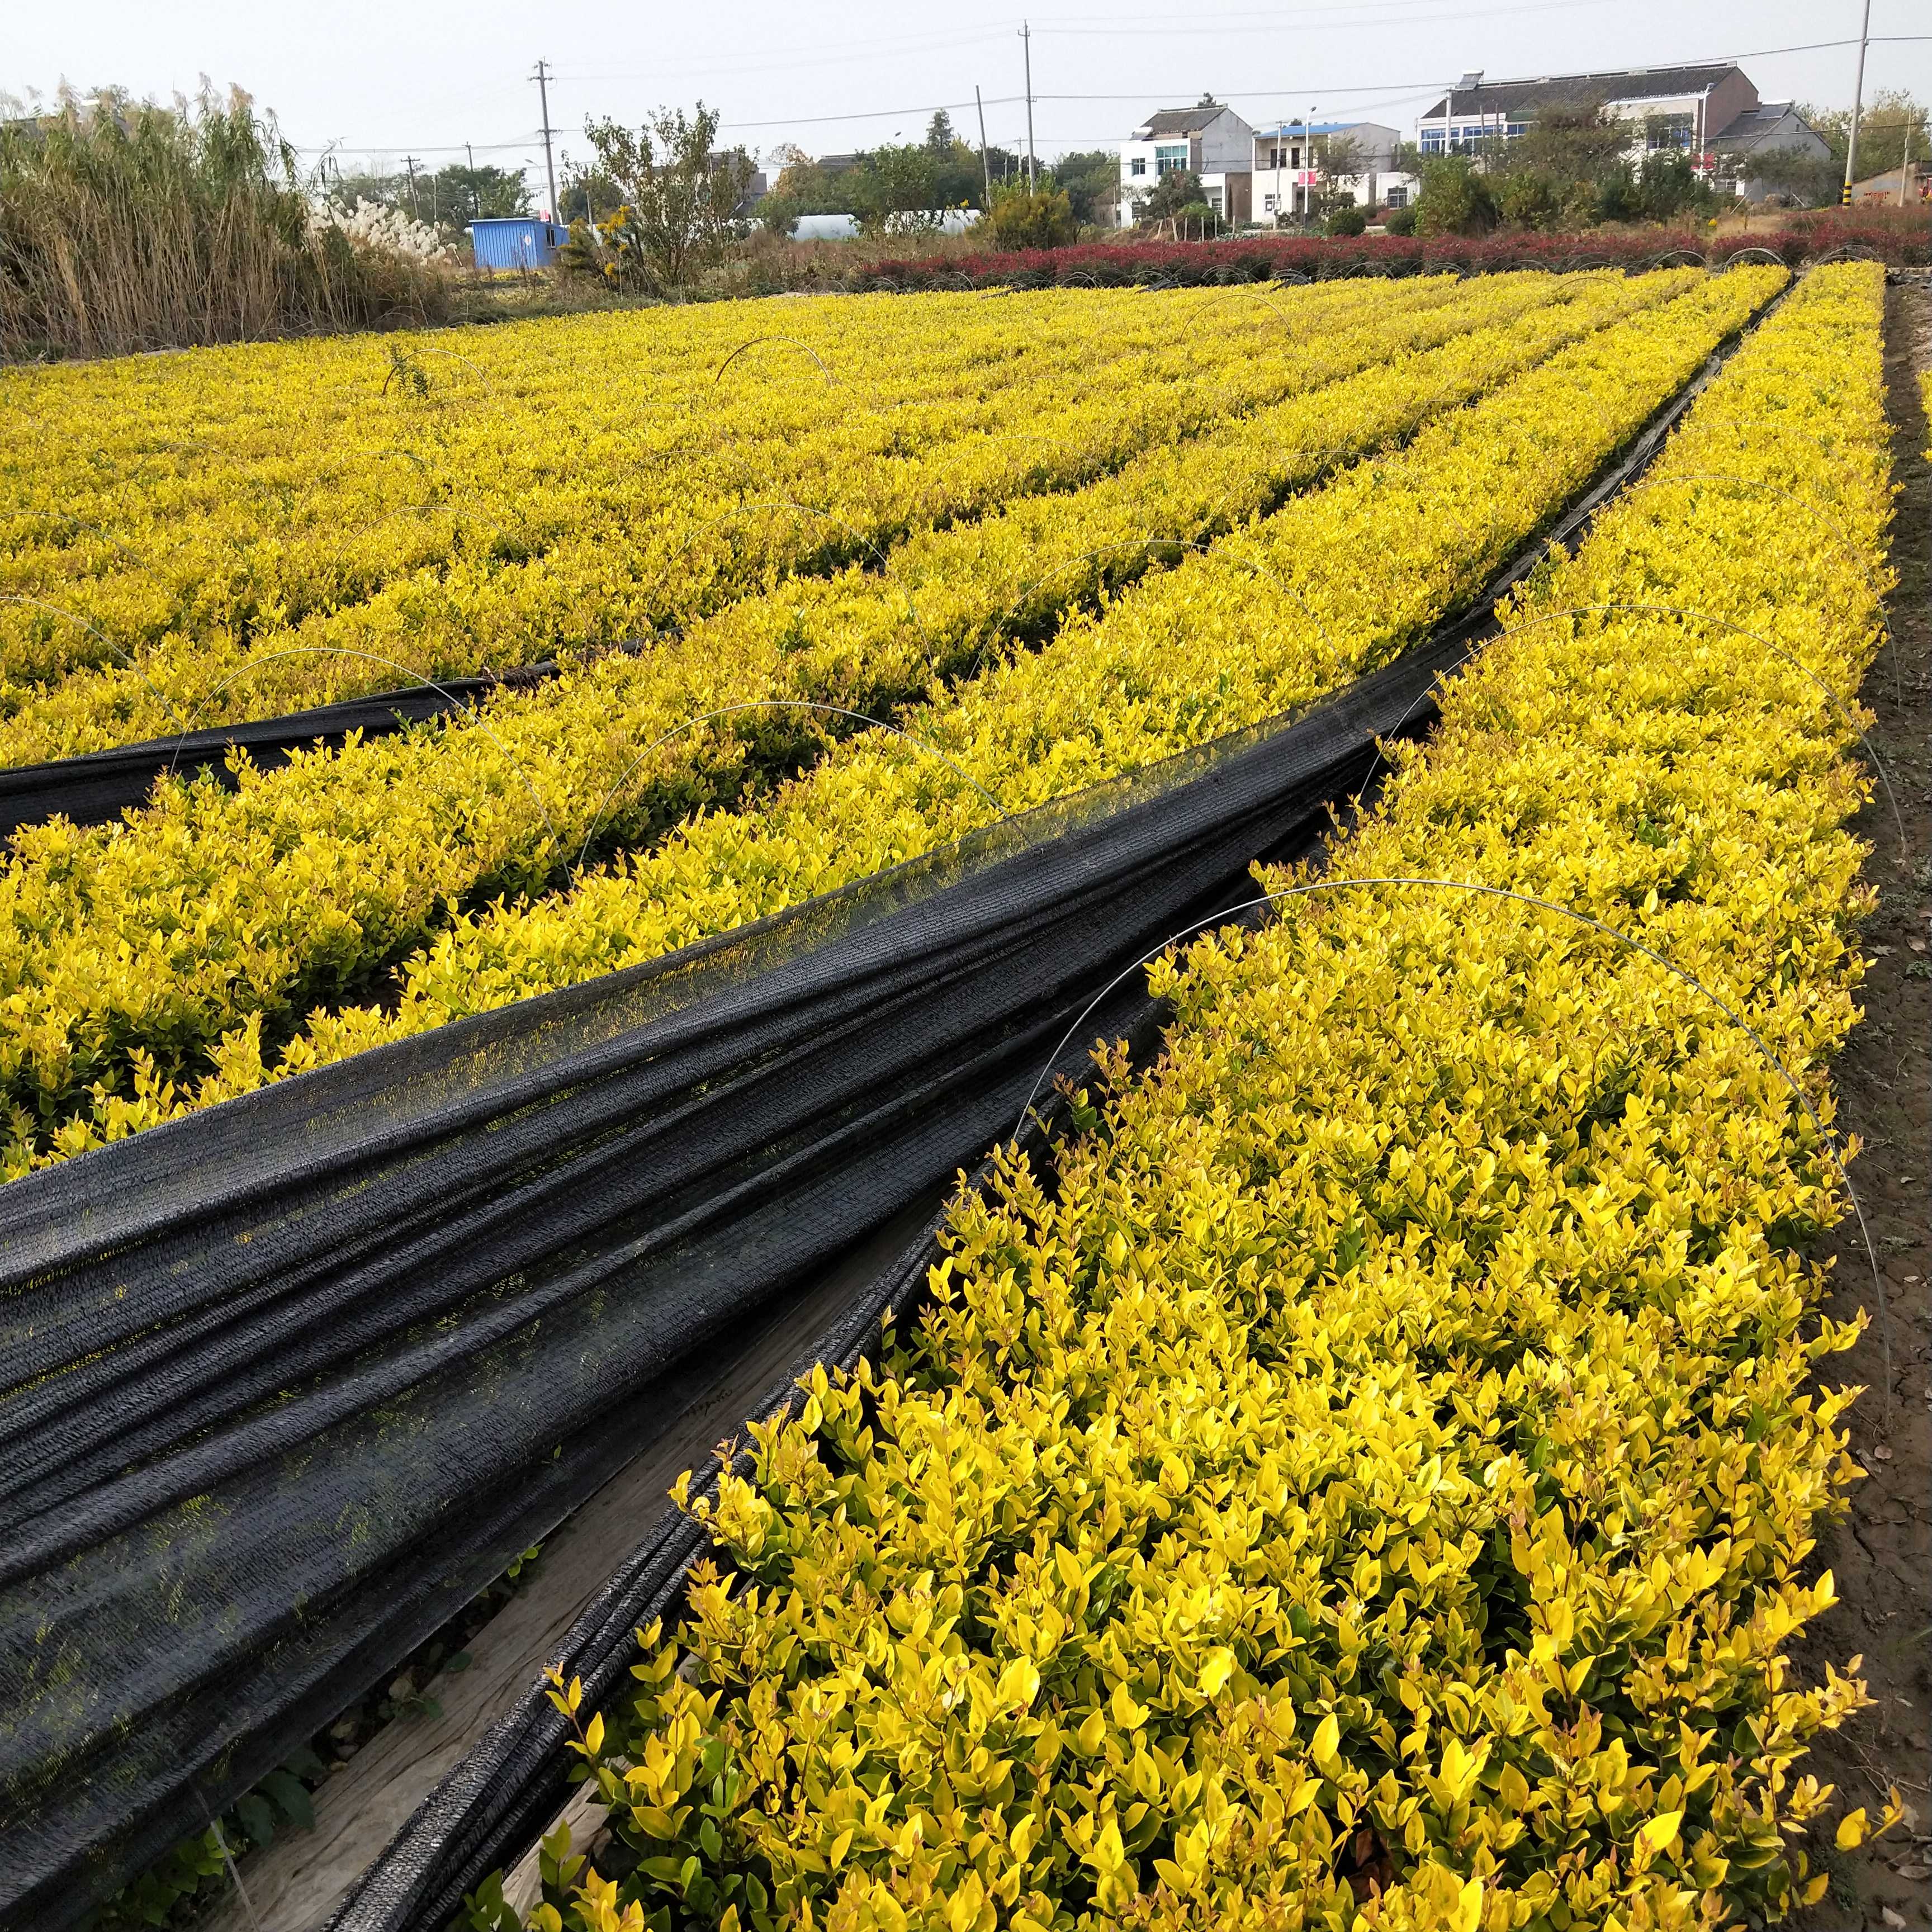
1377, 1484
1296, 603
159, 934
551, 486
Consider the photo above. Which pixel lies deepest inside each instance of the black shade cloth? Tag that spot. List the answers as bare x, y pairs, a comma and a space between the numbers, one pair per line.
492, 1805
98, 786
292, 1379
289, 1381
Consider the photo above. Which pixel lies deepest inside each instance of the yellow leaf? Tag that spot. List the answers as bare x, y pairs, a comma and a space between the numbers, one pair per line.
1327, 1736
1216, 1671
1659, 1832
1852, 1830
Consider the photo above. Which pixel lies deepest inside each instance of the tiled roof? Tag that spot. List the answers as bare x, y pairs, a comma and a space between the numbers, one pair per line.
1512, 96
1179, 120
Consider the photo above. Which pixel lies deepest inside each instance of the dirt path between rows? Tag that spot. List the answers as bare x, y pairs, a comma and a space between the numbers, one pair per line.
1882, 1556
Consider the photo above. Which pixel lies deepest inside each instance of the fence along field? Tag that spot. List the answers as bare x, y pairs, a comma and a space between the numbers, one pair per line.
1374, 1483
298, 890
1238, 510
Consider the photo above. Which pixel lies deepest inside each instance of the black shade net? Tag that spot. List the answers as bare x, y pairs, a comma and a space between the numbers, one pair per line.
289, 1381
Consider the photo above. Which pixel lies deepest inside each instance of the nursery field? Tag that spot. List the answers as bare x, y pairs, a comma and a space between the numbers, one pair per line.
1359, 1459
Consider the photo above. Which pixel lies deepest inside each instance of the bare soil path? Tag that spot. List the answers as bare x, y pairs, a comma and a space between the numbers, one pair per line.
1881, 1556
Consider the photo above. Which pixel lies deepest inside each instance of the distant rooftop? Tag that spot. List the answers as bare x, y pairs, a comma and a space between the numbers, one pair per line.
1563, 90
1180, 120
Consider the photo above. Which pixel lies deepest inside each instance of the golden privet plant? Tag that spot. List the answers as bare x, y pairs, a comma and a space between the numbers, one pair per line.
1378, 1483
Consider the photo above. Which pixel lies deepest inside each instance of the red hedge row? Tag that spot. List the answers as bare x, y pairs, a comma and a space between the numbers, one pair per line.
1906, 242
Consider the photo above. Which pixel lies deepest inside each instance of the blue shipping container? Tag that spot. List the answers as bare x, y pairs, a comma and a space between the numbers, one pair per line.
518, 241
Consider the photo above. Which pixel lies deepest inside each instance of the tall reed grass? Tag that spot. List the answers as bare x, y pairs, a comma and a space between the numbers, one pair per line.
127, 225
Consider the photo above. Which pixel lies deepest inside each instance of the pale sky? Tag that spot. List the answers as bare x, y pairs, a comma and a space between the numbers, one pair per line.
383, 80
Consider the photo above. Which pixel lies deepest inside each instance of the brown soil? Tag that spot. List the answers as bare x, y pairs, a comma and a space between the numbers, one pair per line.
1882, 1556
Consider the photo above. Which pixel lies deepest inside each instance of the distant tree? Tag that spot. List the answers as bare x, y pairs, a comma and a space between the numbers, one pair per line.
1669, 186
680, 197
1091, 183
1810, 180
1179, 188
939, 139
1021, 219
894, 189
1883, 125
1340, 157
1346, 219
1529, 198
1456, 199
477, 194
1567, 142
345, 190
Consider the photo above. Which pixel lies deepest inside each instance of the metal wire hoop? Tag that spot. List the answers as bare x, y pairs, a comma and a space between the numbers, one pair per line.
367, 657
755, 341
1309, 887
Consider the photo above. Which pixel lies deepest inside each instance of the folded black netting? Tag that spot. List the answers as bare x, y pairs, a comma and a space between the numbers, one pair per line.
95, 786
289, 1381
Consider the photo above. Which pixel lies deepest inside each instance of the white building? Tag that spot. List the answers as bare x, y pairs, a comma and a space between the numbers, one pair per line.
1711, 113
1210, 140
1291, 174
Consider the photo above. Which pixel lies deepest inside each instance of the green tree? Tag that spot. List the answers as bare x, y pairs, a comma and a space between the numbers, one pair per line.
464, 194
1178, 189
1456, 198
1811, 180
680, 197
1090, 181
894, 189
1883, 126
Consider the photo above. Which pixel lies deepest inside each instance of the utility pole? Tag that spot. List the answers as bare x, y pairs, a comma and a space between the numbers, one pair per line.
1033, 167
1858, 101
541, 77
1905, 165
985, 165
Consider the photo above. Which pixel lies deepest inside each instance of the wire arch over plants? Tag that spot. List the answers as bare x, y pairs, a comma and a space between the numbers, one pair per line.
1307, 889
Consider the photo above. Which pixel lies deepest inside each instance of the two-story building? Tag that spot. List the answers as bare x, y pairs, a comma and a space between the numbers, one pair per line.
1707, 112
1209, 139
1293, 167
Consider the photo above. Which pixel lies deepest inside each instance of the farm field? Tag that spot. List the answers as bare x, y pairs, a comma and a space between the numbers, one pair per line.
450, 857
1363, 1461
1381, 1468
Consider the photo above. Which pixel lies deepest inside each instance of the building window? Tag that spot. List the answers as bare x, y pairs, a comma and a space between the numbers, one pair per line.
1667, 130
1434, 140
1515, 130
1138, 166
1168, 158
1267, 204
1398, 197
